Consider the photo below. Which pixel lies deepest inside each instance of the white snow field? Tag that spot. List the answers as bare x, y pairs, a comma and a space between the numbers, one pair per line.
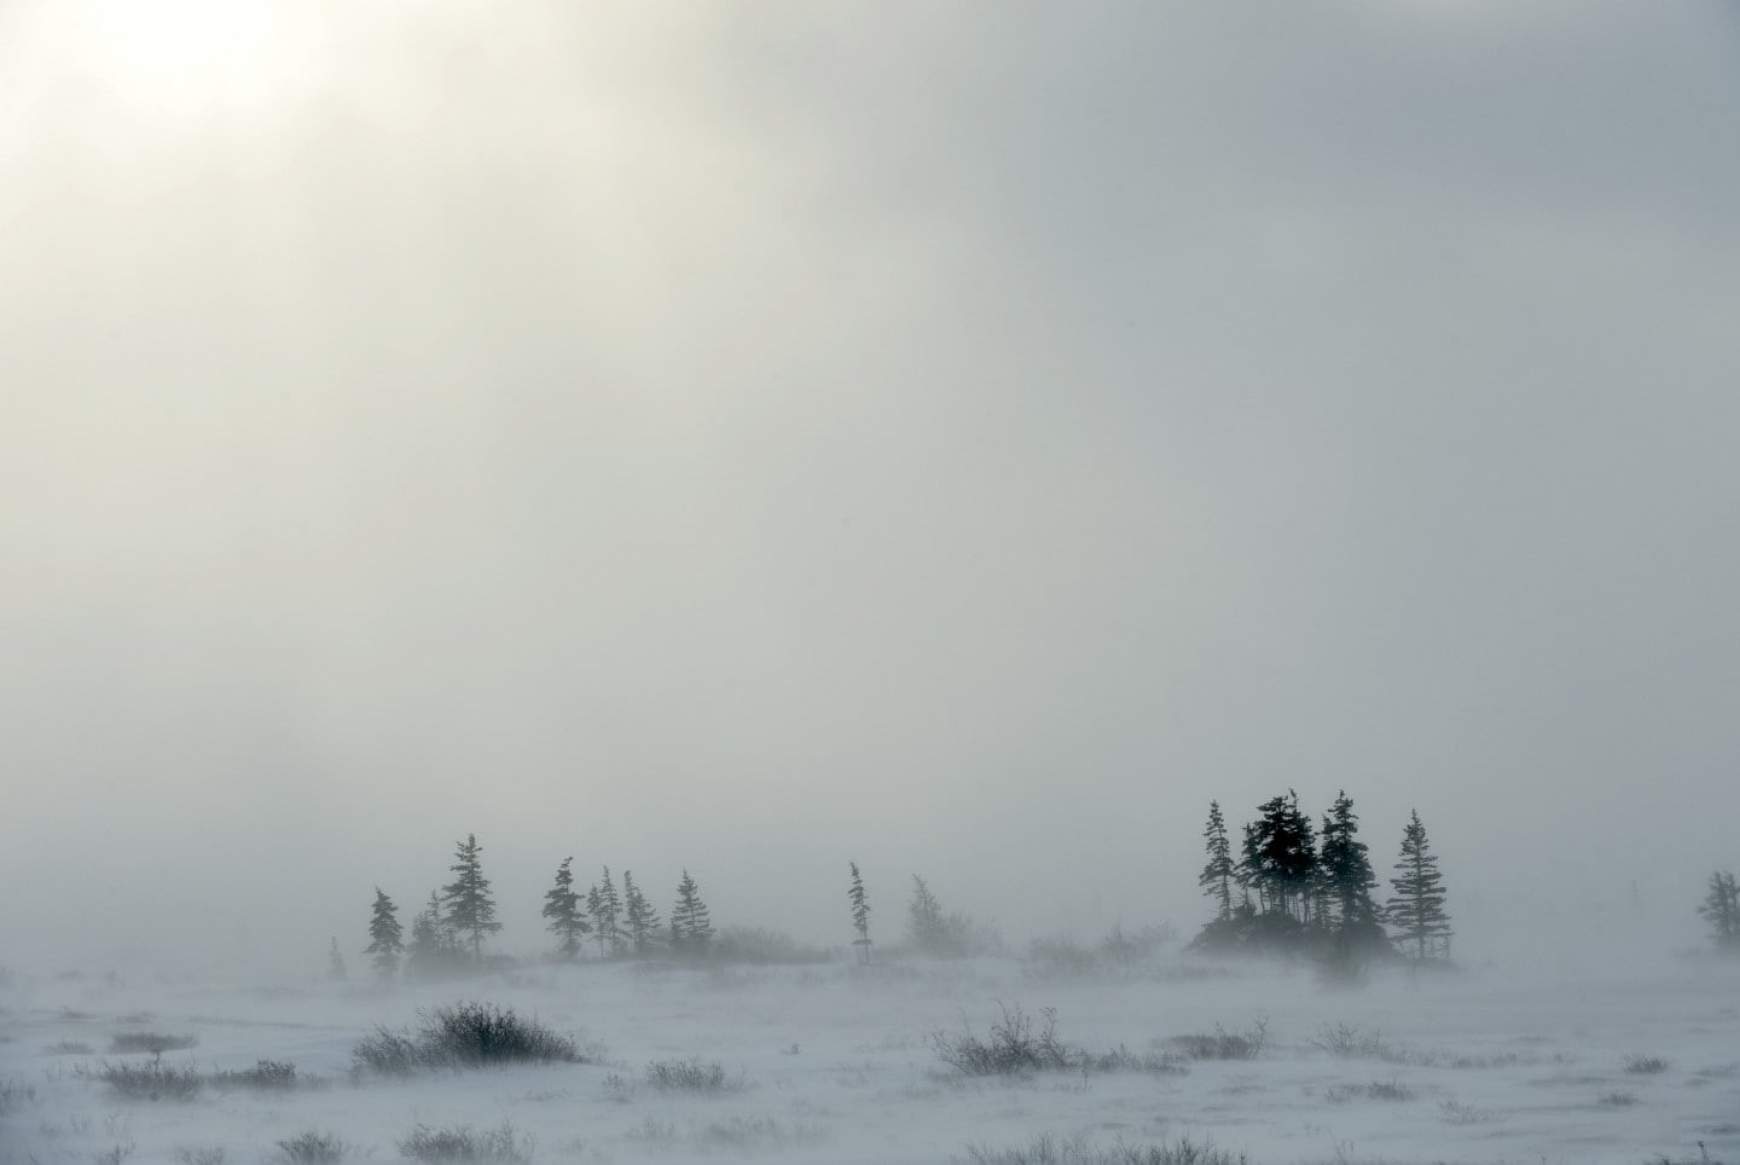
833, 1063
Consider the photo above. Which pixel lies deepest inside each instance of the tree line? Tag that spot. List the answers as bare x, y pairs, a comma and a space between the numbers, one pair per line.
1299, 887
447, 936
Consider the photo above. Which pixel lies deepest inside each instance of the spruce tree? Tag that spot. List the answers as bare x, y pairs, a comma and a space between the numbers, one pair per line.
1416, 909
335, 969
691, 929
606, 913
860, 913
594, 908
1347, 875
562, 908
470, 906
386, 936
1216, 878
638, 915
1721, 908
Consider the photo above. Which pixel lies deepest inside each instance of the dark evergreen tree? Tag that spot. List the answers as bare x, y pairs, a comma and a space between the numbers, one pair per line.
1416, 909
606, 916
639, 917
924, 918
1347, 877
470, 905
335, 969
1216, 878
386, 936
691, 929
860, 913
595, 907
1281, 857
434, 949
1721, 908
562, 908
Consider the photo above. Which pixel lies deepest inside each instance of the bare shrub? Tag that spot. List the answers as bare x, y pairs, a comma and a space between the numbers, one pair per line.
266, 1075
68, 1048
465, 1035
1122, 1059
1224, 1045
1344, 1041
1645, 1065
692, 1075
201, 1155
1014, 1045
1617, 1099
1377, 1090
156, 1043
313, 1148
153, 1080
476, 1034
15, 1094
1455, 1112
114, 1155
462, 1144
386, 1053
1049, 1150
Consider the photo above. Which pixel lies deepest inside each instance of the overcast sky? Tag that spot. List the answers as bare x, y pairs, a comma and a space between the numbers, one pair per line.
961, 437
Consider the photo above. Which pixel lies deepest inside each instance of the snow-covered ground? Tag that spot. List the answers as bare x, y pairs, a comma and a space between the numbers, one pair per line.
836, 1066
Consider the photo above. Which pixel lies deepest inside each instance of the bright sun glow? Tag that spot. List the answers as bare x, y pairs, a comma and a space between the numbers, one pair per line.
187, 55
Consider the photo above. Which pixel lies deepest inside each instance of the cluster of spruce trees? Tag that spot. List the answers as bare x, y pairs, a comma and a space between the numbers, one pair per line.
1300, 887
447, 936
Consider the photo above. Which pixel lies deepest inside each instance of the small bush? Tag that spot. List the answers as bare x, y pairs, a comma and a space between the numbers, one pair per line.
466, 1035
1455, 1112
1048, 1150
153, 1080
201, 1155
1222, 1044
15, 1094
1013, 1045
156, 1043
1346, 1042
68, 1048
114, 1155
1617, 1100
386, 1053
1122, 1059
1645, 1065
313, 1148
691, 1076
1378, 1090
462, 1144
475, 1034
266, 1075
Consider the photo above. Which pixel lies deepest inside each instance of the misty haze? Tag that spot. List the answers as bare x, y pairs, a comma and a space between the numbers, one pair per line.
1000, 583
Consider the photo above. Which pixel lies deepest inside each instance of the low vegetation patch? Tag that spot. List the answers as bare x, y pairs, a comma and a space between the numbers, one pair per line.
466, 1035
68, 1048
1049, 1150
15, 1094
1014, 1045
1645, 1065
1346, 1042
1617, 1099
1017, 1044
1377, 1090
156, 1043
460, 1144
313, 1148
201, 1155
152, 1080
692, 1075
1222, 1044
266, 1075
